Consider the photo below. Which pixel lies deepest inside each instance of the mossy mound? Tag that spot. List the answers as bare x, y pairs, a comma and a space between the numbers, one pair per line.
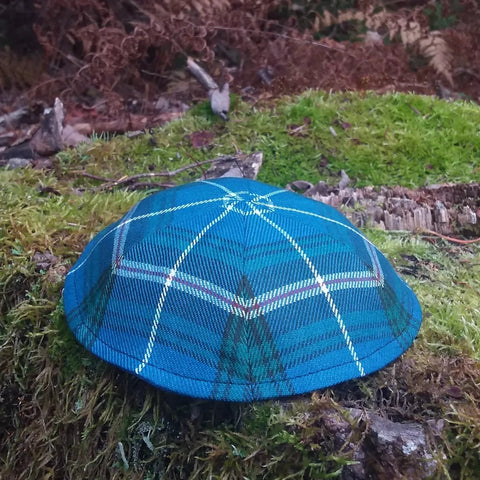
66, 414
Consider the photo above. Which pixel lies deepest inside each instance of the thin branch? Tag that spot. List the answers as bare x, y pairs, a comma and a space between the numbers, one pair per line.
132, 179
145, 185
201, 75
452, 239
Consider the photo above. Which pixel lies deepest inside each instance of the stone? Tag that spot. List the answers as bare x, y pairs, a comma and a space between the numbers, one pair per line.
399, 450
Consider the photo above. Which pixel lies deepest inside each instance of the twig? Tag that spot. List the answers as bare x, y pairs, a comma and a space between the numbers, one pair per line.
207, 82
109, 183
200, 165
143, 185
414, 110
452, 239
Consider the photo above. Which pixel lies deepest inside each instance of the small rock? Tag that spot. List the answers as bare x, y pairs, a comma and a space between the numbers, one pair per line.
233, 172
18, 162
299, 186
436, 426
400, 449
245, 165
43, 261
344, 180
42, 163
373, 38
320, 189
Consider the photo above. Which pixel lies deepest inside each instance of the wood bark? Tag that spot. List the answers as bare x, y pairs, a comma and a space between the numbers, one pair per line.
449, 209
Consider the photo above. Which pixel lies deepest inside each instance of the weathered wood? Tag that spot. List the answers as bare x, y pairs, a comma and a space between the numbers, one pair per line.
447, 209
46, 141
240, 165
219, 97
201, 75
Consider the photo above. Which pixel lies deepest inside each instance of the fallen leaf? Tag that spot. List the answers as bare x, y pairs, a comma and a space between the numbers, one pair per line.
299, 130
202, 138
43, 261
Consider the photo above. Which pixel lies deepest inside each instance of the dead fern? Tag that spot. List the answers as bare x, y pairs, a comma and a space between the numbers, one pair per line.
127, 49
410, 27
106, 43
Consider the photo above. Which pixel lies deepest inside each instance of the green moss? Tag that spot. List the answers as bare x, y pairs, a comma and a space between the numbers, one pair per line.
395, 139
446, 280
63, 410
285, 447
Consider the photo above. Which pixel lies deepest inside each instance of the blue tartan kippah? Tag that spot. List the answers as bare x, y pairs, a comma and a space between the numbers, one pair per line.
231, 289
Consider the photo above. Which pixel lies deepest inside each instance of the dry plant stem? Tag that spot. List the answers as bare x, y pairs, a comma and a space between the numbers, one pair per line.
452, 239
109, 183
149, 185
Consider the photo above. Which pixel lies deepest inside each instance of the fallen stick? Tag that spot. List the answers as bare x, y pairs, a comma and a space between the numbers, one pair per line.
207, 82
46, 141
451, 239
12, 119
219, 97
126, 180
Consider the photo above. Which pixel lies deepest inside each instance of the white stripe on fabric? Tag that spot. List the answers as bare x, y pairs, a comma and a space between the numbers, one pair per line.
141, 217
235, 194
121, 236
331, 220
172, 274
225, 189
307, 290
324, 289
184, 282
271, 194
226, 300
377, 269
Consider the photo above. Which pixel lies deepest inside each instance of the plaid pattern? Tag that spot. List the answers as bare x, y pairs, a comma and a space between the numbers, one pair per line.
235, 290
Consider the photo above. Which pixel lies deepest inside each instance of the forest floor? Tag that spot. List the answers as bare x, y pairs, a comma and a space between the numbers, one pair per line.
67, 414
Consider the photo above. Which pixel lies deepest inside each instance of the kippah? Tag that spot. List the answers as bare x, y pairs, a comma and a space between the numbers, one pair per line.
231, 289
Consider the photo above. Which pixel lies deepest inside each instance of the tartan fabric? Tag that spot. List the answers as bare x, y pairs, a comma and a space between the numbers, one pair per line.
234, 290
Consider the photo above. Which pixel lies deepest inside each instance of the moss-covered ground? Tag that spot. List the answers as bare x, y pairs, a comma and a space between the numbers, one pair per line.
65, 414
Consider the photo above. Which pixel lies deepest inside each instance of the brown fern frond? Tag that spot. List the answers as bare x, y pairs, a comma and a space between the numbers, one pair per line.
434, 47
408, 26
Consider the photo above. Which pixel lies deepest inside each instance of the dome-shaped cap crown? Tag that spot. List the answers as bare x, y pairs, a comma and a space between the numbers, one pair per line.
231, 289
